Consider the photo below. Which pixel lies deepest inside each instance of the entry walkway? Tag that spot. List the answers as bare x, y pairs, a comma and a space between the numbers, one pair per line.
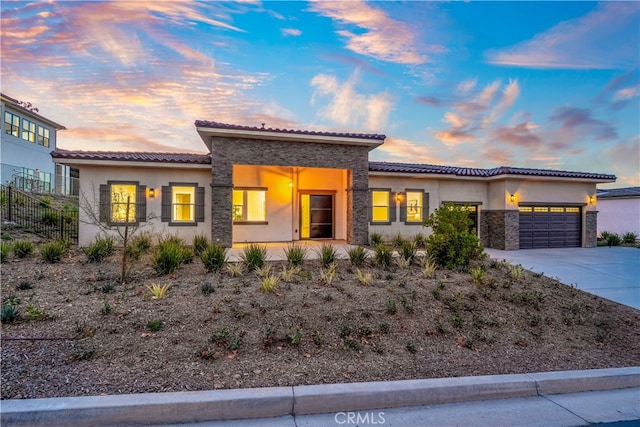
609, 272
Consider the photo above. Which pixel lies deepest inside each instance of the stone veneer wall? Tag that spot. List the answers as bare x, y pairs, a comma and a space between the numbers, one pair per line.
225, 152
591, 230
500, 229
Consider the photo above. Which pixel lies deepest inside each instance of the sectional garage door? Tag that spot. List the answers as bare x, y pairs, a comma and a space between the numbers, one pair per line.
550, 227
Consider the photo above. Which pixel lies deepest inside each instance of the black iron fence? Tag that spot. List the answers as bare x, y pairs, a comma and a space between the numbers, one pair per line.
37, 216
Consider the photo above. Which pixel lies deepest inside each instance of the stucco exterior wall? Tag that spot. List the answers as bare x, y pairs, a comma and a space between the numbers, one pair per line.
152, 177
619, 215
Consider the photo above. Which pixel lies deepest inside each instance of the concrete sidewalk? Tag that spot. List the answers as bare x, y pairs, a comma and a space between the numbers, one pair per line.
611, 273
485, 400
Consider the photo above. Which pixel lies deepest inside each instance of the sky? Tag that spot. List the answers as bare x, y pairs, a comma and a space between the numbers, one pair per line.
553, 85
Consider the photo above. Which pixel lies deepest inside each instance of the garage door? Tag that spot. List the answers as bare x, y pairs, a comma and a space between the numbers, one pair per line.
550, 227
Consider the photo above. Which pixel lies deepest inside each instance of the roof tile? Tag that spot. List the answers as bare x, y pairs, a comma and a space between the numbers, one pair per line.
126, 156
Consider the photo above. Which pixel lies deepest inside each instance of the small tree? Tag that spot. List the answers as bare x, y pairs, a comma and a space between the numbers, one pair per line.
452, 244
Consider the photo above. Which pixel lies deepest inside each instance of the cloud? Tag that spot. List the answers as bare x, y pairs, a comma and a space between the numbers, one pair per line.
347, 107
293, 32
375, 34
403, 150
620, 90
359, 63
606, 38
466, 86
454, 136
578, 121
623, 160
520, 135
429, 100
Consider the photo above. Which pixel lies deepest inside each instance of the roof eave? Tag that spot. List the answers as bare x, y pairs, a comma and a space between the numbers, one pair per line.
129, 163
14, 104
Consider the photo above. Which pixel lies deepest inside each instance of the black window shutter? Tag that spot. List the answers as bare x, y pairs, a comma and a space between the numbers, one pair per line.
392, 207
104, 203
403, 207
199, 204
425, 206
165, 214
141, 203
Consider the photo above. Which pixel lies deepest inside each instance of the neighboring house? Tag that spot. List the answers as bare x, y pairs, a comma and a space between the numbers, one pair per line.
265, 185
27, 142
619, 210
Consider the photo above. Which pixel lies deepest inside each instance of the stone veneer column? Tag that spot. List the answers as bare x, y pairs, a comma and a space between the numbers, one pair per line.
591, 230
221, 203
502, 228
358, 206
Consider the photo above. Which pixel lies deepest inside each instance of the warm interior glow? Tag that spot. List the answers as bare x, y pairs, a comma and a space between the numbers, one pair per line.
152, 192
512, 198
183, 203
414, 206
249, 205
305, 216
119, 195
380, 203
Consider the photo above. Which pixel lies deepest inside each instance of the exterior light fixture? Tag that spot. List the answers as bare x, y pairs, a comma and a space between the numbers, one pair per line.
512, 197
152, 192
592, 199
398, 197
290, 184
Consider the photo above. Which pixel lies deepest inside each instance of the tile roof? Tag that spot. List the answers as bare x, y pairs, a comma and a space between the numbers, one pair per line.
460, 171
218, 125
611, 193
124, 156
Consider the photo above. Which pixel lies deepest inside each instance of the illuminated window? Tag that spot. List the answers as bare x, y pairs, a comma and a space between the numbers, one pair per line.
541, 209
556, 210
250, 205
182, 203
526, 209
121, 195
573, 210
114, 197
28, 130
43, 136
11, 124
414, 203
383, 206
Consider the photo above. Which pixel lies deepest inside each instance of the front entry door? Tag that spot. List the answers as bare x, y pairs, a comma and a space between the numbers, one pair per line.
316, 216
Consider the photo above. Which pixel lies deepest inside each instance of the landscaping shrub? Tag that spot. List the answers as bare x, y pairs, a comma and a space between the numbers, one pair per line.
52, 252
398, 241
138, 245
383, 256
296, 255
22, 248
100, 249
629, 238
327, 254
375, 239
214, 258
254, 256
358, 256
50, 217
9, 313
452, 244
4, 251
613, 239
200, 244
408, 251
168, 255
420, 241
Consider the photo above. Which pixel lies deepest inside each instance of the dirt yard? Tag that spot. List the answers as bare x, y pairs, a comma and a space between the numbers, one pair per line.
81, 332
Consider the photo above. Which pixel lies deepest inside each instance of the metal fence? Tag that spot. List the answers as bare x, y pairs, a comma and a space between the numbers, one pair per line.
37, 216
35, 181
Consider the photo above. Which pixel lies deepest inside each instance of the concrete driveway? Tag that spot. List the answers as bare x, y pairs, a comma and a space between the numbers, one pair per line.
611, 273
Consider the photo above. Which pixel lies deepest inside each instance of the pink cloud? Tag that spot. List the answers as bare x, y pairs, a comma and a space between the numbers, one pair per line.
402, 150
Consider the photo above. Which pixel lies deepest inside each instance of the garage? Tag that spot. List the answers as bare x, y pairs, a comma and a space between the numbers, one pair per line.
550, 227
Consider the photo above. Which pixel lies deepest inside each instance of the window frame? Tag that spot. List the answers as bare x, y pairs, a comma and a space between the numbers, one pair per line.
391, 206
105, 203
14, 129
246, 221
167, 204
44, 140
404, 206
30, 130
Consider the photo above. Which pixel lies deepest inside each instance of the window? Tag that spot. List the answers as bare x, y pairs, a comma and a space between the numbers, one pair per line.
114, 197
250, 205
28, 130
11, 124
383, 206
182, 203
414, 206
43, 136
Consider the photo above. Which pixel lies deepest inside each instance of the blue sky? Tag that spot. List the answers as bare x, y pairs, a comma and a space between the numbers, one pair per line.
479, 84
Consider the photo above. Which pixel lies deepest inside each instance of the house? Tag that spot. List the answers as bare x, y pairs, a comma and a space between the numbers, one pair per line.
260, 184
619, 210
27, 142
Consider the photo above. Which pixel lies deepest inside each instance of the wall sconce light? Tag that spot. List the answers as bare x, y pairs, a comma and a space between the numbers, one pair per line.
152, 192
290, 184
512, 197
592, 199
398, 197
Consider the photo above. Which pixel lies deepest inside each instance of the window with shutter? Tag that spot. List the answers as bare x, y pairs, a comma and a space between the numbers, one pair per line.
122, 202
182, 204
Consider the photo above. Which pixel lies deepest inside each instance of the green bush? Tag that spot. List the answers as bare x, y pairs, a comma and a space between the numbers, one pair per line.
22, 248
420, 241
4, 251
138, 245
408, 251
629, 238
188, 255
100, 249
452, 244
200, 243
9, 313
214, 258
375, 239
52, 252
46, 201
613, 239
358, 256
254, 256
296, 255
383, 256
327, 254
168, 255
50, 217
398, 241
604, 235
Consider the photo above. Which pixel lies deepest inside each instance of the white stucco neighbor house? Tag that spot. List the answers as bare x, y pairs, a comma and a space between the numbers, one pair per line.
619, 210
27, 141
258, 184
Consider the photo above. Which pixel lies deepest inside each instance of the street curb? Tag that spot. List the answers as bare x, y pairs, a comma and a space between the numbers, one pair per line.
199, 406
